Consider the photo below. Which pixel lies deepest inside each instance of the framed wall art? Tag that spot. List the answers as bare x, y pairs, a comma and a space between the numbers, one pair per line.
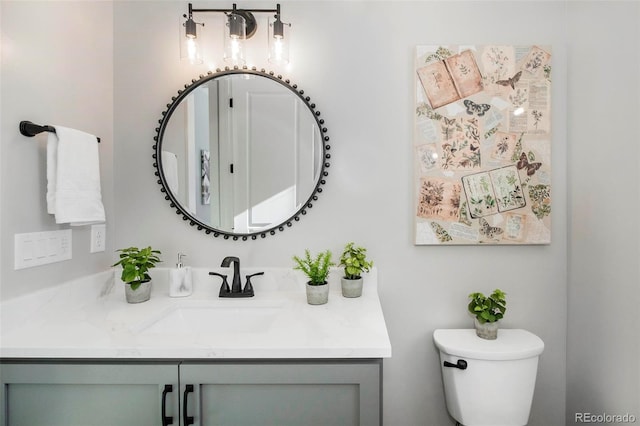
205, 182
482, 144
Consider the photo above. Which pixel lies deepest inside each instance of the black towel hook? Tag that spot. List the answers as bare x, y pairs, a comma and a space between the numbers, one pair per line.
27, 128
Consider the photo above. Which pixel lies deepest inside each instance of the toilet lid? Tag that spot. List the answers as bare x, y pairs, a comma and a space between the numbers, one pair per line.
510, 344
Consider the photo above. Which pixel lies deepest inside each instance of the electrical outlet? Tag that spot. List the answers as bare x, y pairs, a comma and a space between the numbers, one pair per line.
98, 238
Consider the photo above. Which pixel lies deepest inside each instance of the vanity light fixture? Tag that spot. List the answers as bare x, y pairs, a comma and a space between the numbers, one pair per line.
279, 37
235, 35
240, 25
190, 44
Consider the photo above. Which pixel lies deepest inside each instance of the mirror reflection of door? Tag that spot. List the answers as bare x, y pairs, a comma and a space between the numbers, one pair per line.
271, 131
189, 135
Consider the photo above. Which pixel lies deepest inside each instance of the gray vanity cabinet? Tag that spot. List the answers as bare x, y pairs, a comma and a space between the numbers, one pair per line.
207, 393
306, 393
86, 394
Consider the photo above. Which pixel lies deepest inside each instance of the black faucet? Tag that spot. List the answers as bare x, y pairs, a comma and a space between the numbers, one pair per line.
236, 288
235, 283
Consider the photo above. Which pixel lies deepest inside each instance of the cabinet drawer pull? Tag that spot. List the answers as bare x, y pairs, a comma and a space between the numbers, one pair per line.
187, 419
166, 420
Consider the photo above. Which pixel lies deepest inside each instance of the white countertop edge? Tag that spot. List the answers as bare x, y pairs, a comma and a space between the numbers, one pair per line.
162, 353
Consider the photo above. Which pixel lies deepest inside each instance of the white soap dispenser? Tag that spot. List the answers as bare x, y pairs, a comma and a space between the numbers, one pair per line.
180, 282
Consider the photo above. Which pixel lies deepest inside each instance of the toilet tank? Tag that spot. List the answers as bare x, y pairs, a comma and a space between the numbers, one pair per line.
496, 387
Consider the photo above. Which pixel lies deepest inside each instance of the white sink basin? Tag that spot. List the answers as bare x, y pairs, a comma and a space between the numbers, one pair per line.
211, 320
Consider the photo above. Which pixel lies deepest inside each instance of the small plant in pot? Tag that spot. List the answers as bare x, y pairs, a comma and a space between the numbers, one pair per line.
136, 264
355, 263
488, 310
317, 271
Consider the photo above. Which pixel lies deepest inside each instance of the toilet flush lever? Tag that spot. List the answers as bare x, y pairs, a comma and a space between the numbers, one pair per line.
461, 364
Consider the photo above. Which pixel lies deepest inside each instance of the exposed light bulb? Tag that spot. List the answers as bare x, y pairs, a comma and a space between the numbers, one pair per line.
235, 35
279, 40
190, 45
235, 49
192, 50
278, 48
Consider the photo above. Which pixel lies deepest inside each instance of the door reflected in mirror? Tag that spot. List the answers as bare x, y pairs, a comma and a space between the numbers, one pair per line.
241, 153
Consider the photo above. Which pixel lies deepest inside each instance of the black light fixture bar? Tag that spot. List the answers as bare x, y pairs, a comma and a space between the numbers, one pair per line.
191, 9
247, 14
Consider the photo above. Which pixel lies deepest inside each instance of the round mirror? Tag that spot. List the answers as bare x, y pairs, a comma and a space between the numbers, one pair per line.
241, 153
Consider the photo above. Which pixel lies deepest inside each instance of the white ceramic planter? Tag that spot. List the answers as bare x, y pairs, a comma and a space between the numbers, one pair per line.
488, 330
140, 294
317, 294
351, 288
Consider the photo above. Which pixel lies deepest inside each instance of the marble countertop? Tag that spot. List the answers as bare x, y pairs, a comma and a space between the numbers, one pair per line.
89, 318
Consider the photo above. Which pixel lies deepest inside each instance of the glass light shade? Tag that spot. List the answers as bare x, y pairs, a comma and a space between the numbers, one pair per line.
234, 37
279, 39
191, 40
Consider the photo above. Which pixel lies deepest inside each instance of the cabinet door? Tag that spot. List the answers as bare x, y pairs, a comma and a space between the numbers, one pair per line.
87, 394
304, 393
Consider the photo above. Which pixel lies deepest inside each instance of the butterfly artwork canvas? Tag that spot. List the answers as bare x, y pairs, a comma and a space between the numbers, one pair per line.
483, 176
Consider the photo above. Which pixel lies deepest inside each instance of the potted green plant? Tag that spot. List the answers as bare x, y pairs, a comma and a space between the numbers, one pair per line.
488, 310
136, 264
317, 270
355, 263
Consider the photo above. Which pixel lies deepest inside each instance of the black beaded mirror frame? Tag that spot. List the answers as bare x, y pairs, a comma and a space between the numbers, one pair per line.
157, 149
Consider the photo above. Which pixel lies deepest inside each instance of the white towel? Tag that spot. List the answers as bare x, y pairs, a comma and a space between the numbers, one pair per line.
73, 177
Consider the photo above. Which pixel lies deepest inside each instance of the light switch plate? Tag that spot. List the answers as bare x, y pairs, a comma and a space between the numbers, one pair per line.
98, 238
40, 248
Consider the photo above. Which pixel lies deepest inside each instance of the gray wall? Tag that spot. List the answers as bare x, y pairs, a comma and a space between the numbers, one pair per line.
57, 69
362, 81
603, 339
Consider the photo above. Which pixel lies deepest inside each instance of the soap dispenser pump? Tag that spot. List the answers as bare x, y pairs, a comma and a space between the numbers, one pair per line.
180, 281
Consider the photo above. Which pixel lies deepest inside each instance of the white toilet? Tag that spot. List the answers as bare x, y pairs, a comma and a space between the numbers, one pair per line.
489, 382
